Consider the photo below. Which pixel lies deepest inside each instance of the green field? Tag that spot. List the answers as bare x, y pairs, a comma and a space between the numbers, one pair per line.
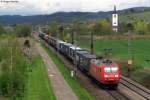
140, 49
38, 87
81, 93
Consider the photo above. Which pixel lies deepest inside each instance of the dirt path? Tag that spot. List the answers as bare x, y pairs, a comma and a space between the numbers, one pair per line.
61, 88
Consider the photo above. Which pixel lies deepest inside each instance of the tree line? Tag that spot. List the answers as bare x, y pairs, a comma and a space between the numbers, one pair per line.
98, 27
19, 30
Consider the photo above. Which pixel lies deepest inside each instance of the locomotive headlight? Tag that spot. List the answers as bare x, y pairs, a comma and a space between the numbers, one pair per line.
116, 75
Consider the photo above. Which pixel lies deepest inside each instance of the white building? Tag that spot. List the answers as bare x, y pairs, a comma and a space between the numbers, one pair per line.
115, 20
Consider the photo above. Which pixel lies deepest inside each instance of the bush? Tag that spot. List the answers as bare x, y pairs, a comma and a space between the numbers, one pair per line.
103, 27
141, 27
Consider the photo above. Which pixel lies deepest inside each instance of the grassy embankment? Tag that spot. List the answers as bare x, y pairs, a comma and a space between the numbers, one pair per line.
38, 87
140, 69
81, 93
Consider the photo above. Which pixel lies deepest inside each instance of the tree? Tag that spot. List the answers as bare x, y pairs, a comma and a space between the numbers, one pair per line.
130, 26
103, 27
123, 28
80, 27
141, 27
53, 28
23, 30
148, 27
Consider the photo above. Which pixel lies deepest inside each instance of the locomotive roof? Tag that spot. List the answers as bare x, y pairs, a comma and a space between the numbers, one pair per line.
107, 61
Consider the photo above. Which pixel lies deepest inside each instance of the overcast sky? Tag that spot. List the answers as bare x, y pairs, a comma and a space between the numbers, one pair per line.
34, 7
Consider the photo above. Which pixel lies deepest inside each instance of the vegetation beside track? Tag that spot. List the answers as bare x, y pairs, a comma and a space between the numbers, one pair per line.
21, 78
13, 68
76, 87
38, 87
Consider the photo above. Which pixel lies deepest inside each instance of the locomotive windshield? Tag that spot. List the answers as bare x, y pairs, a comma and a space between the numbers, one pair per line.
110, 69
114, 69
107, 70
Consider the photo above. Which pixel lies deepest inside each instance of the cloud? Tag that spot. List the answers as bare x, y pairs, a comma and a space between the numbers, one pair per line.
32, 7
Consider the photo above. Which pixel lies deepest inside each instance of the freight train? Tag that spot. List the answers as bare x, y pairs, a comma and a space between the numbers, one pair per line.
102, 70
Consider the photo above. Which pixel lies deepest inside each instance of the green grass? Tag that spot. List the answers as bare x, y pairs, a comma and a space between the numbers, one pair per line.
39, 86
81, 93
141, 49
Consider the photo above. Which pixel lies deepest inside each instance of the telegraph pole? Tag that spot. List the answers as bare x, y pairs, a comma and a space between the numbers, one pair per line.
57, 37
75, 60
72, 37
130, 53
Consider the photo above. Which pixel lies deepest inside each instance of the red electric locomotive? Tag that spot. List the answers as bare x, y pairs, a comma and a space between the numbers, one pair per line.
105, 71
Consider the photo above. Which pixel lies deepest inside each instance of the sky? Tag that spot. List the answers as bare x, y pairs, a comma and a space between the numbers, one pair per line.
36, 7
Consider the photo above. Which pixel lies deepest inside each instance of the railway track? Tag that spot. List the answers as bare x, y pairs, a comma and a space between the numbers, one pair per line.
135, 87
117, 95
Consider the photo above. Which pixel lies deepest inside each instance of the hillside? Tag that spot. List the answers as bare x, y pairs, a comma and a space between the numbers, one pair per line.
135, 16
140, 12
60, 16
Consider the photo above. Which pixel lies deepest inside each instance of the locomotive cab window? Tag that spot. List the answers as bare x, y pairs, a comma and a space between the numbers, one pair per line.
107, 70
114, 69
111, 69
